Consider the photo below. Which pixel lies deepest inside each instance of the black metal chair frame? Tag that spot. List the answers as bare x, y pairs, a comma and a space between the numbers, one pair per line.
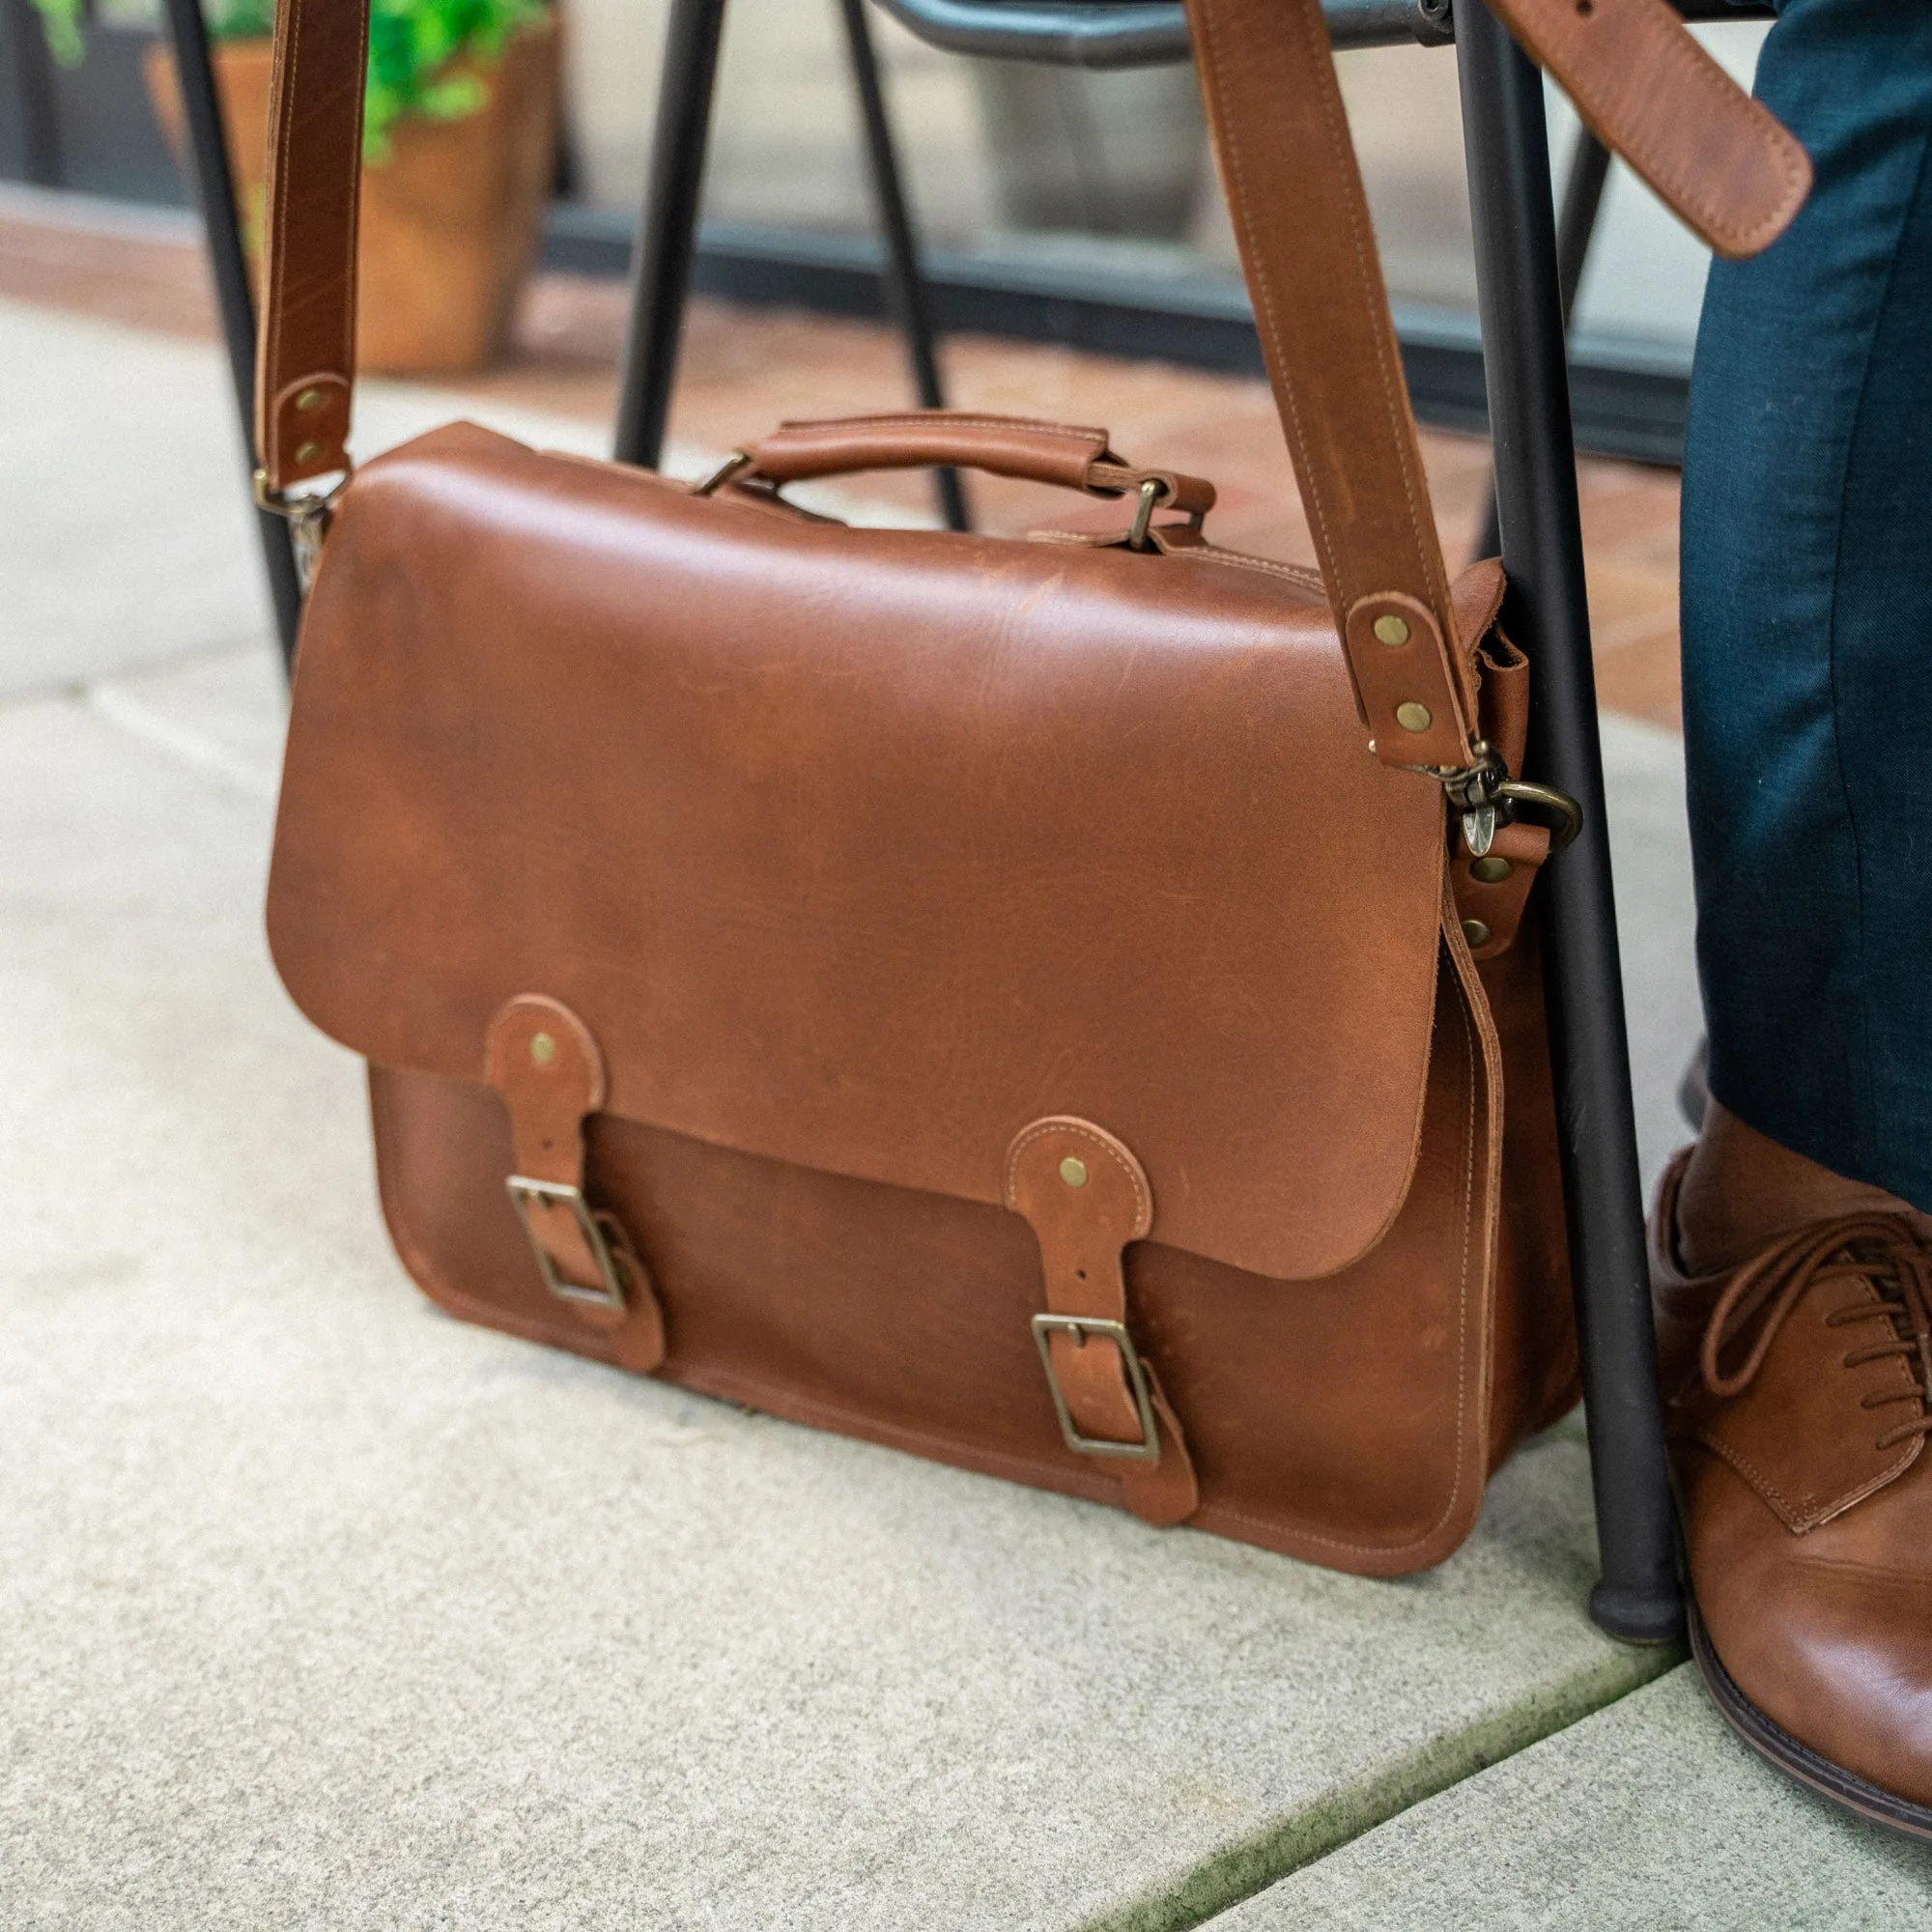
1528, 266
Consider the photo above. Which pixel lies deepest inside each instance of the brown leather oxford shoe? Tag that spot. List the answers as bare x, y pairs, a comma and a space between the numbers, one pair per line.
1798, 1396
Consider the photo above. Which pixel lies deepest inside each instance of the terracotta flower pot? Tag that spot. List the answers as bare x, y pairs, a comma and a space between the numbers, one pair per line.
449, 219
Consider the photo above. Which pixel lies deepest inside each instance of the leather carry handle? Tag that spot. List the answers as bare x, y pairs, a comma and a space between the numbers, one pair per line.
1036, 452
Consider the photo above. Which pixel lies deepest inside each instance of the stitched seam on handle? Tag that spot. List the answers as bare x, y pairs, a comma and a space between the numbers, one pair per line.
948, 419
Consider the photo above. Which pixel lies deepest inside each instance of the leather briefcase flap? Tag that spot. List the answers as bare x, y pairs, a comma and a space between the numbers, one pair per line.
860, 849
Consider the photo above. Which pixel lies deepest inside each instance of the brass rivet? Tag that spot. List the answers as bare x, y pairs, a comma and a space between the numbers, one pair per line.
543, 1048
1391, 630
309, 401
1073, 1172
1414, 717
307, 452
1492, 869
1476, 933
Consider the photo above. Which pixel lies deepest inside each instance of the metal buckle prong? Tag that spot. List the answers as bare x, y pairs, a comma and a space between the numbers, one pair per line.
528, 1195
1081, 1327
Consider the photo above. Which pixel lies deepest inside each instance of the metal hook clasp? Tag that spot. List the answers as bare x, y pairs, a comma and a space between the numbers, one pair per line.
1486, 796
307, 516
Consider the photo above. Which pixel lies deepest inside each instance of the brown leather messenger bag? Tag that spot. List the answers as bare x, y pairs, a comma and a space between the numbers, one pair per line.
1045, 1004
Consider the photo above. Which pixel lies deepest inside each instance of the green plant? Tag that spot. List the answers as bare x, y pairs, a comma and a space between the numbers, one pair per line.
412, 45
60, 21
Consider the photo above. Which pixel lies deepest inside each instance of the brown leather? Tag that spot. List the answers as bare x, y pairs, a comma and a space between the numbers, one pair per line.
1348, 1420
545, 1066
1040, 452
846, 892
1720, 160
1300, 218
1086, 1198
540, 1057
1493, 891
305, 359
823, 822
1796, 1393
857, 853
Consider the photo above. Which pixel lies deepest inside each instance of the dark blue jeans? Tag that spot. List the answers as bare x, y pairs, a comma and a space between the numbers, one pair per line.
1808, 617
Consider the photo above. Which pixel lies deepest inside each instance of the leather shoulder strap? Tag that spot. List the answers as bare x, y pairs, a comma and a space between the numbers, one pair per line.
1301, 220
1307, 246
1721, 161
306, 358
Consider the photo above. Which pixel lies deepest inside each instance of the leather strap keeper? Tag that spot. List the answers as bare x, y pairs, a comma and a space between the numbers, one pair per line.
543, 1062
1085, 1196
1493, 891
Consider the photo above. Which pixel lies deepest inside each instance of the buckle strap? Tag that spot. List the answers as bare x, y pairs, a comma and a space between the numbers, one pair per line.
544, 1063
1085, 1196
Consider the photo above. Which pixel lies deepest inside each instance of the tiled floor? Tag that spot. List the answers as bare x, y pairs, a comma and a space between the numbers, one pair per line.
747, 368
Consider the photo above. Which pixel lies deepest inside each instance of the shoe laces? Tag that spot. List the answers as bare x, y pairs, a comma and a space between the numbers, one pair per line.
1888, 1252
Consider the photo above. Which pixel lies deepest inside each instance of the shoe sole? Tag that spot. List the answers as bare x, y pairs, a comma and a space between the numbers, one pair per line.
1770, 1740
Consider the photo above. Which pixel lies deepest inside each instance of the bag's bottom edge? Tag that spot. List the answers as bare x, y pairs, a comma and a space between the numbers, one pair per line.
785, 1405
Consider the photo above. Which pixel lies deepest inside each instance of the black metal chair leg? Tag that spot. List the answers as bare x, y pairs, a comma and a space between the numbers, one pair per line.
215, 195
667, 233
1542, 549
904, 283
1575, 229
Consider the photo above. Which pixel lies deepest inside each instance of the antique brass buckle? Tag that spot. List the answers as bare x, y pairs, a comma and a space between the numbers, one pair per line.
543, 1197
1080, 1328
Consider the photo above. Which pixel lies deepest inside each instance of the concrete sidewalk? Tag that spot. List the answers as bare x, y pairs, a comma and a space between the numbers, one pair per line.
324, 1610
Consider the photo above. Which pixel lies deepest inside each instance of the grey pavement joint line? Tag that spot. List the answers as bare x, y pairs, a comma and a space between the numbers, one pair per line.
1649, 1816
122, 708
1227, 1879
